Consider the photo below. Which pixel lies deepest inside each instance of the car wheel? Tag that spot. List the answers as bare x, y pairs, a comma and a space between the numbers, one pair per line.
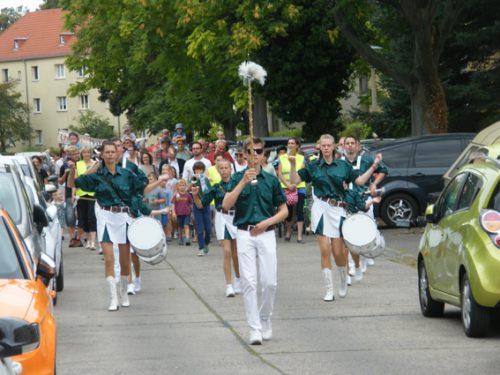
475, 318
429, 306
60, 277
398, 208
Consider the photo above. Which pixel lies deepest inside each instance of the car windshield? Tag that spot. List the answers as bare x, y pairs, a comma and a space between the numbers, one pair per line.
10, 267
8, 197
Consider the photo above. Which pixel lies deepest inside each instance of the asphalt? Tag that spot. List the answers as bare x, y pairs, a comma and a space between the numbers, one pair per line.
182, 323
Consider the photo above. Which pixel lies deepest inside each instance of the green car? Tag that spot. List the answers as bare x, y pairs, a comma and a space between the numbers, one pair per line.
459, 253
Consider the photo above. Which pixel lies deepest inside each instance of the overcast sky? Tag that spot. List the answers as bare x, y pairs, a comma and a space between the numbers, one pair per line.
30, 4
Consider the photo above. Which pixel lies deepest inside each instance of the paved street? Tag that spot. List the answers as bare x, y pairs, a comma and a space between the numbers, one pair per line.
181, 323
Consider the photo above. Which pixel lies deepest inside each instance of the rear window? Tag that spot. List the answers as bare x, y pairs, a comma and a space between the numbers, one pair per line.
439, 153
8, 197
10, 267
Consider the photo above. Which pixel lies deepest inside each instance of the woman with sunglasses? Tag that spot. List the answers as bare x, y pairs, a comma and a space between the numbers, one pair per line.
328, 176
297, 209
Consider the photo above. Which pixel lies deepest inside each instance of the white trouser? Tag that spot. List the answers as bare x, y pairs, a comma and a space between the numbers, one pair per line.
261, 250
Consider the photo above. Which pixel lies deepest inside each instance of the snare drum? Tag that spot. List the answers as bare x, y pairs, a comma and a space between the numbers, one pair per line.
147, 239
361, 235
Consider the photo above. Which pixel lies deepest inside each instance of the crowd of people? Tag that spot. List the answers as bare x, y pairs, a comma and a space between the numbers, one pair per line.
200, 191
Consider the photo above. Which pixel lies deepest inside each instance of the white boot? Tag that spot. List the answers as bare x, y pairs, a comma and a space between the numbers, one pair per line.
113, 297
327, 279
343, 281
123, 291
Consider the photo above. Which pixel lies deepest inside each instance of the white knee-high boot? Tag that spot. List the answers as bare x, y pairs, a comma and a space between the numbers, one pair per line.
327, 279
123, 291
343, 281
113, 297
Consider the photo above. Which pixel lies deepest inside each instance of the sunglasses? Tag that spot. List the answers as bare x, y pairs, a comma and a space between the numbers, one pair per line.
257, 151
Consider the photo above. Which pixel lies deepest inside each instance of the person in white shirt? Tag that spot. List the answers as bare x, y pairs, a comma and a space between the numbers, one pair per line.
196, 149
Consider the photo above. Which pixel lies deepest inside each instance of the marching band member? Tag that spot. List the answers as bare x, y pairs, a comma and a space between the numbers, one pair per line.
225, 231
119, 194
255, 194
328, 176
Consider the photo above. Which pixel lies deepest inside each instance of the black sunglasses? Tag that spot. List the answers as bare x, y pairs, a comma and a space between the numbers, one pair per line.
258, 151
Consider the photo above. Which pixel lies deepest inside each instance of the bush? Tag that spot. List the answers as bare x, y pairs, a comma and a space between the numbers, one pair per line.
290, 133
358, 129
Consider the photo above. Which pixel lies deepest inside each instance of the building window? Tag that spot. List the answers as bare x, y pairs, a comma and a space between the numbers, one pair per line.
38, 137
5, 75
16, 44
60, 71
84, 102
37, 105
80, 73
35, 73
62, 103
62, 41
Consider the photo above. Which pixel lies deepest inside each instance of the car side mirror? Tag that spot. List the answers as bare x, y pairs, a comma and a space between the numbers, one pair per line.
40, 217
17, 336
429, 214
46, 268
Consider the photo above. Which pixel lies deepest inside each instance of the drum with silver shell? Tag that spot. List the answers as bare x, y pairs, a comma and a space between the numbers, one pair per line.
362, 236
147, 239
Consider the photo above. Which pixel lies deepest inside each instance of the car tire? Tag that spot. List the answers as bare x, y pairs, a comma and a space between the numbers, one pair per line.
429, 306
398, 207
60, 277
475, 318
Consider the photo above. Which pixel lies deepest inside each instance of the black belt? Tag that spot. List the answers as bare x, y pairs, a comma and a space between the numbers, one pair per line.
227, 212
249, 227
116, 209
334, 202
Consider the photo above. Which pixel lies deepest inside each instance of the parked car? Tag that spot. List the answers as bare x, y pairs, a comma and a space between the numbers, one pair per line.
459, 253
45, 156
416, 166
25, 297
51, 234
486, 137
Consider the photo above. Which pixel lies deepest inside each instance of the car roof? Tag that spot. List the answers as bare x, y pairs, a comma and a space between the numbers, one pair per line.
489, 135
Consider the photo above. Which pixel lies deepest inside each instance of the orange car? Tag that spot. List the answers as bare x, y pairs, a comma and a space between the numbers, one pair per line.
24, 295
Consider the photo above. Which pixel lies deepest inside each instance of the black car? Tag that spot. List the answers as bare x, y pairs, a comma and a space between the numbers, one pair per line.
416, 167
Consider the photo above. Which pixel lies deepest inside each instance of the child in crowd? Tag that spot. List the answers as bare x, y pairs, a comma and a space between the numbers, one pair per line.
183, 206
202, 221
156, 198
168, 218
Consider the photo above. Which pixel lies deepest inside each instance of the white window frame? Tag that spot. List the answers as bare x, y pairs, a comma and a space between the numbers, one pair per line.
84, 102
5, 75
35, 73
37, 105
62, 40
62, 104
38, 137
60, 71
80, 73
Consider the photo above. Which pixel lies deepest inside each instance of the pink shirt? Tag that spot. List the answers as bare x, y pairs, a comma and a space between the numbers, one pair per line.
183, 204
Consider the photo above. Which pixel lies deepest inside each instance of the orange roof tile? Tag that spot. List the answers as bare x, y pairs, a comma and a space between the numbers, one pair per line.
38, 34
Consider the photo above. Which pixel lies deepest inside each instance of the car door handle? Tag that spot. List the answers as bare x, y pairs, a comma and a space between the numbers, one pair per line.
418, 175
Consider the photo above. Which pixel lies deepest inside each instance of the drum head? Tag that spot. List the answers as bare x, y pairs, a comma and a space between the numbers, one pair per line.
145, 233
359, 230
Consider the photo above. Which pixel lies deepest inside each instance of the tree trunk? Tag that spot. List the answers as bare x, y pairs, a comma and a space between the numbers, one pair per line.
260, 117
230, 130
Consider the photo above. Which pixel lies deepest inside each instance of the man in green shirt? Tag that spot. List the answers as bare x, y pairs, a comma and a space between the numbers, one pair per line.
255, 195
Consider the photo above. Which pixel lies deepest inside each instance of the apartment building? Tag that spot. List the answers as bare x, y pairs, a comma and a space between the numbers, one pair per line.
32, 52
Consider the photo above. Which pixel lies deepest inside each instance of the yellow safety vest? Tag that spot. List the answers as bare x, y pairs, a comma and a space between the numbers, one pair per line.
81, 168
285, 168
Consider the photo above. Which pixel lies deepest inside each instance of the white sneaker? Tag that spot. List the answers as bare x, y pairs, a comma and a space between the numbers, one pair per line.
255, 338
363, 264
87, 245
237, 286
229, 290
131, 289
370, 262
92, 246
137, 284
358, 275
267, 329
201, 252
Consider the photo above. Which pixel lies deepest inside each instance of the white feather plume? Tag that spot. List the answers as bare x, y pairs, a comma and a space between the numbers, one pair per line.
250, 71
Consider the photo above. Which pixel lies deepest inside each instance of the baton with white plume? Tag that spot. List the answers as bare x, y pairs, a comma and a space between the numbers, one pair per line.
248, 72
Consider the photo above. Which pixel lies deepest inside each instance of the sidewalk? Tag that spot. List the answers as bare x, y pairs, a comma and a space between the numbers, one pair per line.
182, 323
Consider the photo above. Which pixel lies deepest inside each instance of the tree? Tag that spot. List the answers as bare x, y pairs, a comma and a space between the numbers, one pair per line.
430, 23
10, 15
14, 123
308, 70
49, 4
94, 125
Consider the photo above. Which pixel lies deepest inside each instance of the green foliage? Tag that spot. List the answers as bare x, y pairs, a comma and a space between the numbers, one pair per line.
291, 133
357, 129
14, 123
212, 132
10, 15
94, 125
49, 4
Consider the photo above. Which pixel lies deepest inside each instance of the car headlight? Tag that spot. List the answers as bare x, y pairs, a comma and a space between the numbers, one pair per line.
17, 336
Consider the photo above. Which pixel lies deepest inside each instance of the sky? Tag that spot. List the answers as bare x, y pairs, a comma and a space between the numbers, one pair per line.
30, 4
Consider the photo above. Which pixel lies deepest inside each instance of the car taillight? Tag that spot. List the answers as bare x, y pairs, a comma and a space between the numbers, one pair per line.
490, 221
